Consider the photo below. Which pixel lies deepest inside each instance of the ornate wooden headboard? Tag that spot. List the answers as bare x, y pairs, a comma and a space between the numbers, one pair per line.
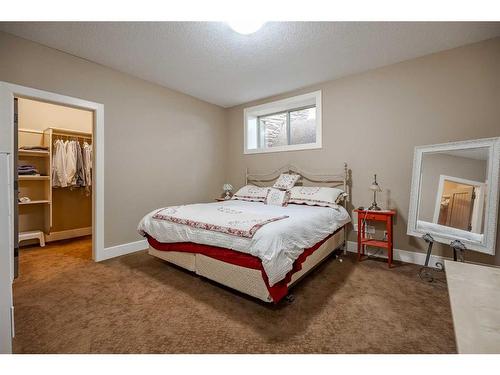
340, 179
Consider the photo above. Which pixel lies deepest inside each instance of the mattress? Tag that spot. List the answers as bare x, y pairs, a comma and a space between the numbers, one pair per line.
277, 244
248, 280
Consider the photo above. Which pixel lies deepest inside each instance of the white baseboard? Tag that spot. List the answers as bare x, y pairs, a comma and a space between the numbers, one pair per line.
70, 233
126, 248
398, 254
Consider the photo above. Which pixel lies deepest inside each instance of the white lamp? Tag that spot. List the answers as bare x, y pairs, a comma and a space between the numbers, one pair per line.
375, 187
227, 190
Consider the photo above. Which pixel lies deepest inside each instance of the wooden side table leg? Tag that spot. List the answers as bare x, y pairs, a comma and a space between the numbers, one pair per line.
359, 238
389, 240
363, 235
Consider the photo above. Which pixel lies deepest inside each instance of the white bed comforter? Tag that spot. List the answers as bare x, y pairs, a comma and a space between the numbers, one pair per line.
217, 218
277, 244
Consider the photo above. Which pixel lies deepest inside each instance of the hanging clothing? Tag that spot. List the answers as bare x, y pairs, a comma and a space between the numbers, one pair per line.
87, 163
59, 175
80, 170
71, 163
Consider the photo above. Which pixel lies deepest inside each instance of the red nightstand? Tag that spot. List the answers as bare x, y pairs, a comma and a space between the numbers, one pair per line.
385, 216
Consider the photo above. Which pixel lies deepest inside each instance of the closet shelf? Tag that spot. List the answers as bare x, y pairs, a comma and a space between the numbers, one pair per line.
34, 202
33, 153
62, 131
33, 178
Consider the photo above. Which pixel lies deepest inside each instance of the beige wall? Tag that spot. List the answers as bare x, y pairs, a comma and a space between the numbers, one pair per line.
161, 147
374, 120
37, 115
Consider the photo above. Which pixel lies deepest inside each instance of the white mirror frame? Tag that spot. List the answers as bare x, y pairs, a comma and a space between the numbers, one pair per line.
493, 177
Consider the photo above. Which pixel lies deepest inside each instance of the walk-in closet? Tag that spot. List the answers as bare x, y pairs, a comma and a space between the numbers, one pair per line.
54, 174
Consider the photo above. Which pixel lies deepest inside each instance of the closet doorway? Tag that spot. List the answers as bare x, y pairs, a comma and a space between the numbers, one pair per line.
9, 139
54, 179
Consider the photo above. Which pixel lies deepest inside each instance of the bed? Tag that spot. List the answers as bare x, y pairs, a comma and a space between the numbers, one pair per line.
263, 259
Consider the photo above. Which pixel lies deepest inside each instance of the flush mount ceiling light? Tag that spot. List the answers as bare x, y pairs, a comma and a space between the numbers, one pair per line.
245, 27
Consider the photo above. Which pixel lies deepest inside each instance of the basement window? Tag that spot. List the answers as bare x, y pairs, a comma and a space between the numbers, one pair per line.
284, 125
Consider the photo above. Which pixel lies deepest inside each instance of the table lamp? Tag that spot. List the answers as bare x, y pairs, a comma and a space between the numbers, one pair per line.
375, 187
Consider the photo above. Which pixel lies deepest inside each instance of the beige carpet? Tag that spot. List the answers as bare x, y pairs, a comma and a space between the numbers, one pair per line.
65, 303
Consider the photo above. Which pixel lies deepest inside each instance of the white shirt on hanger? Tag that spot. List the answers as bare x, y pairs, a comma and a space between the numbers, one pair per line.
87, 163
59, 176
71, 163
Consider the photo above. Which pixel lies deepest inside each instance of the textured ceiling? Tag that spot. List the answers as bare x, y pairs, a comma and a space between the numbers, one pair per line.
209, 61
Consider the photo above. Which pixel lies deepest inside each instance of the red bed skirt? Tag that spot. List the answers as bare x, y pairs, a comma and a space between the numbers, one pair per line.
277, 291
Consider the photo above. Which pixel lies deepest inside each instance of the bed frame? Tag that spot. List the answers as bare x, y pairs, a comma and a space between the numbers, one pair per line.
249, 281
306, 178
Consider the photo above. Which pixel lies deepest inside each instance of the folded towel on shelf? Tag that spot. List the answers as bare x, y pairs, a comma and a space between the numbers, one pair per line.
27, 170
34, 148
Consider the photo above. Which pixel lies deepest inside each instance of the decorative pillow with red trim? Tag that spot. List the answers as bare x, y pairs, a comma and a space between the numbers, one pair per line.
251, 193
277, 197
317, 196
286, 181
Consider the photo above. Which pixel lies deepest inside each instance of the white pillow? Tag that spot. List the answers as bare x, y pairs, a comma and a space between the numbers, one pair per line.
286, 181
277, 197
317, 196
251, 193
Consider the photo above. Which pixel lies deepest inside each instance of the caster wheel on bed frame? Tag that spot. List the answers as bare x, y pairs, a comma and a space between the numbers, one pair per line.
290, 298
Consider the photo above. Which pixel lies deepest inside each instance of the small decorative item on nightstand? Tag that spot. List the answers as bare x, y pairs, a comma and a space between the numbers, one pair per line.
375, 187
386, 216
227, 190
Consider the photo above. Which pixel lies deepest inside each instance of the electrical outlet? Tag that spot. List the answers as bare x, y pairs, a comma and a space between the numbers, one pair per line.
368, 229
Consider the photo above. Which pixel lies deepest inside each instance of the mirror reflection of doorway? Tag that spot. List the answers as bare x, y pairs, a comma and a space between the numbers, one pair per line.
456, 206
459, 204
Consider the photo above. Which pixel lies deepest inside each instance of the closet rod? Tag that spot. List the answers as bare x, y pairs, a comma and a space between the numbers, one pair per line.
70, 136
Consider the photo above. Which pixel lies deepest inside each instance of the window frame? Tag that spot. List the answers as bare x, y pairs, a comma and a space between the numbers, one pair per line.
309, 100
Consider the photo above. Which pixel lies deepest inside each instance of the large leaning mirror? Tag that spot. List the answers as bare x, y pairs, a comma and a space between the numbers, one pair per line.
454, 193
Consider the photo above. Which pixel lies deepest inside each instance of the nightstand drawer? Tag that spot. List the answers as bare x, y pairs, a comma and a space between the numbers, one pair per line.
373, 216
